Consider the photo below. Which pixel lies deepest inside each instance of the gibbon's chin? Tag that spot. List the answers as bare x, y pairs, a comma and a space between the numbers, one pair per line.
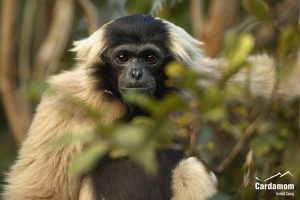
140, 90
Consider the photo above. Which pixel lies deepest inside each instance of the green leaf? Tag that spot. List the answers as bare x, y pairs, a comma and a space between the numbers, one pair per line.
130, 138
244, 46
291, 158
258, 8
289, 42
212, 99
169, 103
145, 101
215, 114
175, 70
146, 157
264, 143
83, 162
35, 89
238, 48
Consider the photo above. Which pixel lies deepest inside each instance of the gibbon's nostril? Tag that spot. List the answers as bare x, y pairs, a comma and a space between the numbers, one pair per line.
136, 73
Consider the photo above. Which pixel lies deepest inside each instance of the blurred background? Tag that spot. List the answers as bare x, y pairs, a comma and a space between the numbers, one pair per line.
37, 34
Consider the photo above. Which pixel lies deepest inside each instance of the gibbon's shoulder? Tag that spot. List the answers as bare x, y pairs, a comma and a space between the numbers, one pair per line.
73, 78
73, 84
76, 87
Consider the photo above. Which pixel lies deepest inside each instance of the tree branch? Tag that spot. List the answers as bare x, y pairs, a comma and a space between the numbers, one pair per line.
25, 53
196, 10
222, 15
51, 51
16, 114
25, 43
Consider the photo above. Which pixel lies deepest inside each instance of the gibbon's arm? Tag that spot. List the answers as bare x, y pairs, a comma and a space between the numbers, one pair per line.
41, 170
261, 76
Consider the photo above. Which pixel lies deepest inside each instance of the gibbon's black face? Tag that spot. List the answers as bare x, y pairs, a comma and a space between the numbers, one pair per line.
136, 66
135, 55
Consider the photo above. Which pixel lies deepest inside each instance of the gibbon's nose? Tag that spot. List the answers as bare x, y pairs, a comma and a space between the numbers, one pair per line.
136, 73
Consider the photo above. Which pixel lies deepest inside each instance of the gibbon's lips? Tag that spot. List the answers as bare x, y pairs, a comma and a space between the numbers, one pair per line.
144, 90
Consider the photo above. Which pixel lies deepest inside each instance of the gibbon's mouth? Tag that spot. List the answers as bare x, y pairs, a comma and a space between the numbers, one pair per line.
144, 90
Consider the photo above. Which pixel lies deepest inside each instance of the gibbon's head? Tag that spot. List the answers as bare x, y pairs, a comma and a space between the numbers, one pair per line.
130, 54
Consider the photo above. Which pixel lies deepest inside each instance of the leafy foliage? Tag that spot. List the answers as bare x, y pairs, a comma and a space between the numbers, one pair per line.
259, 8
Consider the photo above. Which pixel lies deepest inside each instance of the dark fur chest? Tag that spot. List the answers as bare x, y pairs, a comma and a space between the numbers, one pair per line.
122, 179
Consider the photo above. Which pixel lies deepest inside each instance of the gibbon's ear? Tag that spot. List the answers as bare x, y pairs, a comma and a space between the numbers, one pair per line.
183, 46
88, 50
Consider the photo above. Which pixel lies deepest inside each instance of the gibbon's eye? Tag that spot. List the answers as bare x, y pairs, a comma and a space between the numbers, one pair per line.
122, 58
151, 59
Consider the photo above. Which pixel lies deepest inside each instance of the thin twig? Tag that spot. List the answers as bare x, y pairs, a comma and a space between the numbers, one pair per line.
241, 142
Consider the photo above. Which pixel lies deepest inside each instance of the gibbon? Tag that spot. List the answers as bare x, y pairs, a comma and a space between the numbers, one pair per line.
127, 54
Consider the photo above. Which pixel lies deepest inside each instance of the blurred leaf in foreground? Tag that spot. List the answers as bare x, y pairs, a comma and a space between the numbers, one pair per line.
259, 8
85, 161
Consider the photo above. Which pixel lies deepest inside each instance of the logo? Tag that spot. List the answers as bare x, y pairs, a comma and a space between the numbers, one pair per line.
281, 189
